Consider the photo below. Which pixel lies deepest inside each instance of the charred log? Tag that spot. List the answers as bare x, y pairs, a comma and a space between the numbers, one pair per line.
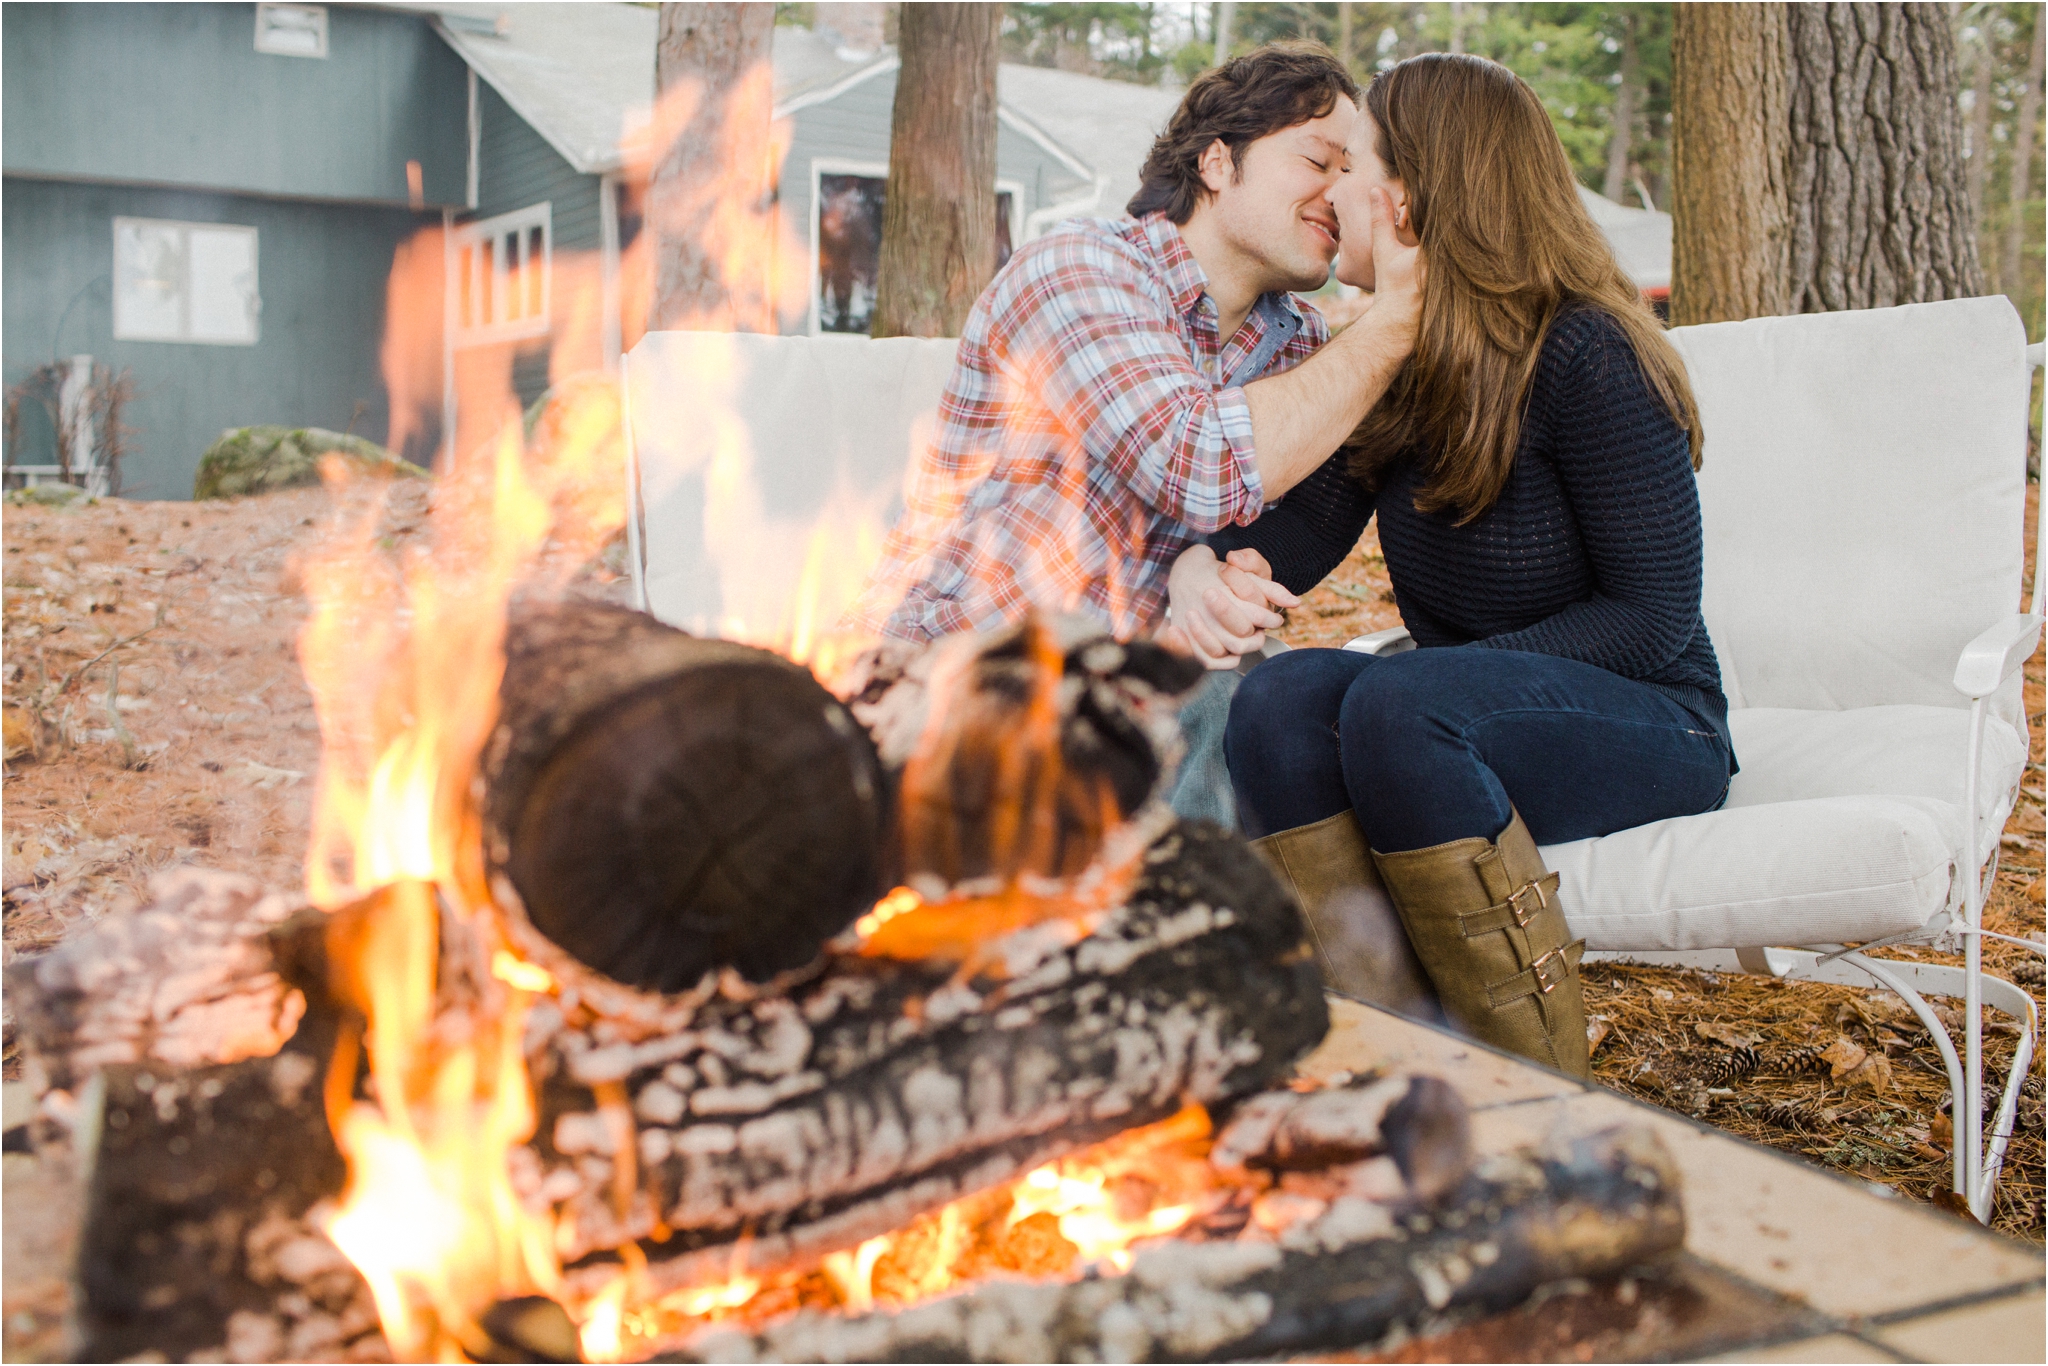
1345, 1279
668, 806
791, 1121
186, 981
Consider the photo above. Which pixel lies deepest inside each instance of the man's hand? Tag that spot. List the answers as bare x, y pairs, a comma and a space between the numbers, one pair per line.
1221, 610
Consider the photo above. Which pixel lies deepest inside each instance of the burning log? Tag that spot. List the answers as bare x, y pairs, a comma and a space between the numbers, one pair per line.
776, 1122
668, 806
1344, 1279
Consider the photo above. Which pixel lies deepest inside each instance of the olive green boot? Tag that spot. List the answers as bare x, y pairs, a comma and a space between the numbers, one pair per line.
1484, 919
1359, 942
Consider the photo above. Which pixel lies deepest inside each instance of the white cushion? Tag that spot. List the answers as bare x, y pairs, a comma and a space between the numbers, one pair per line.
1790, 755
1841, 826
758, 457
1808, 872
1864, 498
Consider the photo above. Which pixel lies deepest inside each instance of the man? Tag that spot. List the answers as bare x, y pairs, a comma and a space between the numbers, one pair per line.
1126, 386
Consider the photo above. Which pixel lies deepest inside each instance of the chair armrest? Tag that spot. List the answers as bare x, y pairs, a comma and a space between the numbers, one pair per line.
1991, 658
1391, 641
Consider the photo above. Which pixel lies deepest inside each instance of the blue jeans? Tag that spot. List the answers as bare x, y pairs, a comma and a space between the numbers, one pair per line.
1429, 746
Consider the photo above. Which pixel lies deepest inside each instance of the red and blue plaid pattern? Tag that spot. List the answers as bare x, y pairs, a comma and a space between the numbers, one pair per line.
1086, 436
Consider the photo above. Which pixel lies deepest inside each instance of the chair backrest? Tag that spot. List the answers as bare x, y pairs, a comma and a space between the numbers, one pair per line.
1864, 496
758, 460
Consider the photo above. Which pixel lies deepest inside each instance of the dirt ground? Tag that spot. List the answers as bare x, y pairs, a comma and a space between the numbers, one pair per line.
155, 715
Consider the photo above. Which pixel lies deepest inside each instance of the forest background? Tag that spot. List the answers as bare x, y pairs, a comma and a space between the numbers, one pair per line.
1603, 71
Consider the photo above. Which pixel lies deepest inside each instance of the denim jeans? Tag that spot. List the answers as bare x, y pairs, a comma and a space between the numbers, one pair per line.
1201, 789
1429, 746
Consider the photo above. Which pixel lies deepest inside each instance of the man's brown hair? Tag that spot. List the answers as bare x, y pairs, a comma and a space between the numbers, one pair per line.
1274, 87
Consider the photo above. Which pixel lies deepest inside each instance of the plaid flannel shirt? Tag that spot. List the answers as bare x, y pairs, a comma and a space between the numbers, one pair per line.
1086, 437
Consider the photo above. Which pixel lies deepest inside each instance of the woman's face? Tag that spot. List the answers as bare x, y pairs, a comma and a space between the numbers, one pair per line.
1351, 198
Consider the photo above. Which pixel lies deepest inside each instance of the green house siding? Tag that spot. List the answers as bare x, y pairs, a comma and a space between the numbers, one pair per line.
516, 168
320, 271
176, 94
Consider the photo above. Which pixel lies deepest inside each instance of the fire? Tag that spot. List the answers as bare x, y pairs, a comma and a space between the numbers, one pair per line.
1091, 1209
404, 656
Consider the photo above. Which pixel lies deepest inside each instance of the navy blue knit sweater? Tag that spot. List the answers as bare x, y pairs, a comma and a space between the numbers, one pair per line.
1591, 553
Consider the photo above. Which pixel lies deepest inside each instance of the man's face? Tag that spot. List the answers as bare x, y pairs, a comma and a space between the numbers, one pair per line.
1275, 211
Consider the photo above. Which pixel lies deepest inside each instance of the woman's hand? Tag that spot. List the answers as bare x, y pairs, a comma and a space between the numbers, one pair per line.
1221, 609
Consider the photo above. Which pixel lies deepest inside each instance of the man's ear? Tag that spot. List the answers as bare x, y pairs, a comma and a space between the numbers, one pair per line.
1216, 166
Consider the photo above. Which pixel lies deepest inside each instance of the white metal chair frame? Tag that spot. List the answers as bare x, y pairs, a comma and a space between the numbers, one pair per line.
1986, 664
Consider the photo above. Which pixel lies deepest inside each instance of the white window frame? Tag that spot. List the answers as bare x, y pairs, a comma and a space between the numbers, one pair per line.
480, 273
1015, 188
317, 13
820, 168
824, 166
127, 329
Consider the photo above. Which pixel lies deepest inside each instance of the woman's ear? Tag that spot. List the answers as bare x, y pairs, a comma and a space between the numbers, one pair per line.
1216, 166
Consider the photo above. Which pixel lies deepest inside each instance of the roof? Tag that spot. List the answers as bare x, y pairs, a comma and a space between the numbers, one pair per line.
1113, 122
583, 76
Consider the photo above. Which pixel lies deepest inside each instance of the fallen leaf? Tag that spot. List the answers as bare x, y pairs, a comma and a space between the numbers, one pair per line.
263, 775
1843, 1056
1597, 1030
1727, 1034
1661, 994
1875, 1072
1941, 1131
1930, 1152
19, 733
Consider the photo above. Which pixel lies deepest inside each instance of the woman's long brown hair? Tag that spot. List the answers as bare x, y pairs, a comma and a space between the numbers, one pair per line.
1492, 198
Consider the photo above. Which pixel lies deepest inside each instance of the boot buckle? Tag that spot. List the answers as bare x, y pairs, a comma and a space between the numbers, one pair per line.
1549, 980
1523, 917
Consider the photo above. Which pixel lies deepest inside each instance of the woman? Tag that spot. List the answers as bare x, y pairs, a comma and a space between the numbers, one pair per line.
1532, 470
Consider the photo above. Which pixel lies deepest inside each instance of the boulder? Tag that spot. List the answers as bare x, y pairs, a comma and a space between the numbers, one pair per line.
259, 459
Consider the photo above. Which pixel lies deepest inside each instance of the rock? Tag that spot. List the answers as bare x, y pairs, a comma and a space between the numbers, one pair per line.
261, 459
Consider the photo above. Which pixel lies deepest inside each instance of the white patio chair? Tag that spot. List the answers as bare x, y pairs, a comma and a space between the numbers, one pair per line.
1864, 498
750, 455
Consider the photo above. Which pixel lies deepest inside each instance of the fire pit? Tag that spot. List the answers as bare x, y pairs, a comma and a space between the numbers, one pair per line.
650, 998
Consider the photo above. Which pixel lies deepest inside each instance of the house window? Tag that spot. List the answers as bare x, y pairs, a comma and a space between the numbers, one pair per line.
848, 223
292, 30
502, 276
185, 282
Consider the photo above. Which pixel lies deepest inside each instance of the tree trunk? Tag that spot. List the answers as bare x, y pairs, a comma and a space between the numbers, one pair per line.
939, 211
1729, 132
2023, 182
1875, 181
711, 200
1619, 145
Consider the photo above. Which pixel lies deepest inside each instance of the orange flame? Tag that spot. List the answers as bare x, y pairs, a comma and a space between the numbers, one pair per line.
404, 656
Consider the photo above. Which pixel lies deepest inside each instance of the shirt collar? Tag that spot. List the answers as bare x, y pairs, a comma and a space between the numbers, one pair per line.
1184, 274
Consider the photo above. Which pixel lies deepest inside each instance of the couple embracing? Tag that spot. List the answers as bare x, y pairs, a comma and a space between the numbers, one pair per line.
1145, 426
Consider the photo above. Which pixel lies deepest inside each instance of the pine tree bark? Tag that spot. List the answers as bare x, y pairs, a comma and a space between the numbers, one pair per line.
711, 197
1623, 139
1817, 161
2023, 182
1880, 213
939, 214
1729, 136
